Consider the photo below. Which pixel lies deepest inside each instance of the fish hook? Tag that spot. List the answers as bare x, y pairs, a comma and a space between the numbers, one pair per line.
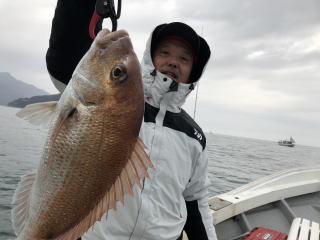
105, 9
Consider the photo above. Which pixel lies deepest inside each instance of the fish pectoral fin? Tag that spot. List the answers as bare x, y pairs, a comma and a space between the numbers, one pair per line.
38, 113
20, 202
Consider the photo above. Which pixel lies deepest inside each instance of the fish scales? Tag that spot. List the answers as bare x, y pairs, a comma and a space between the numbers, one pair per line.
92, 136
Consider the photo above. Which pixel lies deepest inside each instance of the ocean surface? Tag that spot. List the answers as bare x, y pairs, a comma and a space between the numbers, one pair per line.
233, 161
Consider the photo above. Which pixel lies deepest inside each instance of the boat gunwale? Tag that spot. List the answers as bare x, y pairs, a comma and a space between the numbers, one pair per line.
265, 190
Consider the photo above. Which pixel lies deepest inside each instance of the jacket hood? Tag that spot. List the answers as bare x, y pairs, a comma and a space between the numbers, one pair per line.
158, 87
161, 88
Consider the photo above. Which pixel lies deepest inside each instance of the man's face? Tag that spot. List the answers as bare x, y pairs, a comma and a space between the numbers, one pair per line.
174, 59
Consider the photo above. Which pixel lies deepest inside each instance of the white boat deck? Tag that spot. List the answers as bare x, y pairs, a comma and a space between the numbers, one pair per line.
304, 229
273, 202
282, 185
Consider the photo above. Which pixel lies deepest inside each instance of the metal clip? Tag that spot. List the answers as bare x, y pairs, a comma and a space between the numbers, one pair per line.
105, 9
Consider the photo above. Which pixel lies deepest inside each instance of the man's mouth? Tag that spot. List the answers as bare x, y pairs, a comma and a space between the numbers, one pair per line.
170, 75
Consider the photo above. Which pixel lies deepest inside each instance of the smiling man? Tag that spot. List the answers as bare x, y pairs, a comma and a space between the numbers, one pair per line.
175, 196
174, 59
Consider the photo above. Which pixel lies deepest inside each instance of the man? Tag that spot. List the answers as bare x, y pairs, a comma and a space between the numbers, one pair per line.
175, 196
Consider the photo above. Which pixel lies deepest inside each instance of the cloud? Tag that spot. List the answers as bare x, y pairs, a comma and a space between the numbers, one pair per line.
23, 44
262, 79
256, 55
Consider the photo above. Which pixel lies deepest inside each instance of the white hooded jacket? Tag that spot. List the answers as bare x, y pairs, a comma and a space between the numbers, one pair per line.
178, 184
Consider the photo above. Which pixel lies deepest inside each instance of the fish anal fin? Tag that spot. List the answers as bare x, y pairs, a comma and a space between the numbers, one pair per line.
20, 202
131, 174
38, 113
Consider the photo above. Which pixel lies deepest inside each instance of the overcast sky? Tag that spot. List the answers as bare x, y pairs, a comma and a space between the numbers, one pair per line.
263, 80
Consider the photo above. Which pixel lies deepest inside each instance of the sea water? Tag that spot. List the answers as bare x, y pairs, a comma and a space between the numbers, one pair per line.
233, 161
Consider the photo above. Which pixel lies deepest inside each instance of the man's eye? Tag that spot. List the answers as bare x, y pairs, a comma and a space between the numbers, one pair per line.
164, 52
184, 59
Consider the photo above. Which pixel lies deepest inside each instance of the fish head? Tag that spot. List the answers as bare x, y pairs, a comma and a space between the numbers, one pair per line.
109, 74
106, 84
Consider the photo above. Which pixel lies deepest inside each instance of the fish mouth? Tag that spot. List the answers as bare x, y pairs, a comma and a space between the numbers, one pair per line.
106, 39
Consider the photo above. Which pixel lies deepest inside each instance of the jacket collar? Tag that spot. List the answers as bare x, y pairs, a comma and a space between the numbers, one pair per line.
160, 89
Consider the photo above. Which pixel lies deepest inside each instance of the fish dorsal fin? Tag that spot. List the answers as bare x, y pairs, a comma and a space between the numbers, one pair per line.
135, 170
38, 113
131, 174
20, 202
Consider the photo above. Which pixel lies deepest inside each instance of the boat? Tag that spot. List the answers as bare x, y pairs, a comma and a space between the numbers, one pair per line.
285, 205
287, 143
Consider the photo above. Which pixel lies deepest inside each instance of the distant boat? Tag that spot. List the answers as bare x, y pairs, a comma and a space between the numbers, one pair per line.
288, 143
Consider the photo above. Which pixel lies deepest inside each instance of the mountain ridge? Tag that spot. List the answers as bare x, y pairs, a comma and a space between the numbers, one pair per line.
12, 88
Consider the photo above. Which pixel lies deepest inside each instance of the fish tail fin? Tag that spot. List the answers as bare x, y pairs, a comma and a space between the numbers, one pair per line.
20, 202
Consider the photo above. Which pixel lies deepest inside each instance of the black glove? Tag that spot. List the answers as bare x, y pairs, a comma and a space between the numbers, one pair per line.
69, 39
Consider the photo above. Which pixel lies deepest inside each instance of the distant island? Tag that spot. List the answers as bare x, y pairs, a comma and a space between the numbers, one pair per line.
16, 93
22, 102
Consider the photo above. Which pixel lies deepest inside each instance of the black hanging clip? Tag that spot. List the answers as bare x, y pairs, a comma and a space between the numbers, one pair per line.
104, 9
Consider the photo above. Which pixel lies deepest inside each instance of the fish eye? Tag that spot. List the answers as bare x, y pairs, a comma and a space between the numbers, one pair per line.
118, 73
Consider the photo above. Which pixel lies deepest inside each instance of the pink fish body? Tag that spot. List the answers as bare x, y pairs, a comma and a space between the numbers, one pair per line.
92, 156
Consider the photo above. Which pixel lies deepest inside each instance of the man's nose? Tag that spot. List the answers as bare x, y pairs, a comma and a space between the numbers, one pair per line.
173, 62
